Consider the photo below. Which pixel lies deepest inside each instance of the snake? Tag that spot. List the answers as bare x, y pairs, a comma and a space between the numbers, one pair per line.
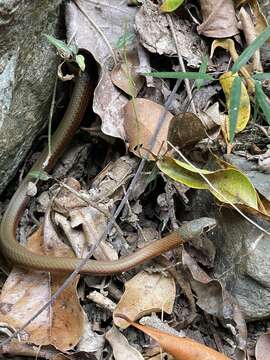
18, 255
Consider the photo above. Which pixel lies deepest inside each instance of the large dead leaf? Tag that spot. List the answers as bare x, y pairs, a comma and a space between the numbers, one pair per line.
141, 119
219, 19
180, 348
145, 293
97, 28
25, 292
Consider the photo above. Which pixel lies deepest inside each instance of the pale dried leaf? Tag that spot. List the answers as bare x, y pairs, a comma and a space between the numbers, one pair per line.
108, 21
140, 125
90, 341
158, 38
121, 348
145, 293
219, 19
262, 349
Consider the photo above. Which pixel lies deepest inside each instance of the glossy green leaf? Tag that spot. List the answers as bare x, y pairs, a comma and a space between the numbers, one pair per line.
170, 5
231, 183
262, 100
40, 175
250, 50
59, 44
235, 97
80, 60
180, 75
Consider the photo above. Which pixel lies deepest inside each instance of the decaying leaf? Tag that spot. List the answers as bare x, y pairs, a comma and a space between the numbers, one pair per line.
231, 183
214, 299
188, 128
219, 19
144, 294
226, 81
125, 76
180, 348
141, 119
121, 348
155, 35
25, 292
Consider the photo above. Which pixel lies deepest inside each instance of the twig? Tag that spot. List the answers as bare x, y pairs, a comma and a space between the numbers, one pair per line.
218, 192
76, 2
50, 122
181, 62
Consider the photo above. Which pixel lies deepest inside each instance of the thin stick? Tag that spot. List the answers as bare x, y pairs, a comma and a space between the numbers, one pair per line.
181, 62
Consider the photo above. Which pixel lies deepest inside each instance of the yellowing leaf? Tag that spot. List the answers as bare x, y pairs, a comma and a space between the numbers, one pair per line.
226, 81
234, 186
170, 5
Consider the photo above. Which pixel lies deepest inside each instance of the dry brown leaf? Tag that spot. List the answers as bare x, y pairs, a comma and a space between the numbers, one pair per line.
262, 349
186, 129
219, 19
125, 76
121, 348
250, 35
180, 348
141, 119
145, 293
25, 292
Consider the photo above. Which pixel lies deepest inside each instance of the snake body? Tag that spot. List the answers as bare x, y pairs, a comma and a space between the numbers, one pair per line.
17, 254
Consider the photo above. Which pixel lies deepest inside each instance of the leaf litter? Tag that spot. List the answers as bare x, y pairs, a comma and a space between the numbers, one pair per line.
127, 108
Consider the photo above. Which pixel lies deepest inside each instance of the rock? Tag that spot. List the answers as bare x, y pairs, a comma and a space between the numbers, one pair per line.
27, 74
244, 270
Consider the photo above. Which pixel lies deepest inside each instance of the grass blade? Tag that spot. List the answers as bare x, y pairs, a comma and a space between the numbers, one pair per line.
180, 75
199, 82
261, 76
262, 100
250, 50
234, 106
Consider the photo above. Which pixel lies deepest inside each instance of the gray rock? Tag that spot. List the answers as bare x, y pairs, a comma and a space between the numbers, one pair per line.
242, 255
27, 74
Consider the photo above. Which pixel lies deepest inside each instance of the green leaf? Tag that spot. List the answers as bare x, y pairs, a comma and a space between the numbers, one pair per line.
170, 5
40, 175
203, 67
262, 100
250, 50
59, 44
125, 40
180, 75
261, 76
80, 61
235, 96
